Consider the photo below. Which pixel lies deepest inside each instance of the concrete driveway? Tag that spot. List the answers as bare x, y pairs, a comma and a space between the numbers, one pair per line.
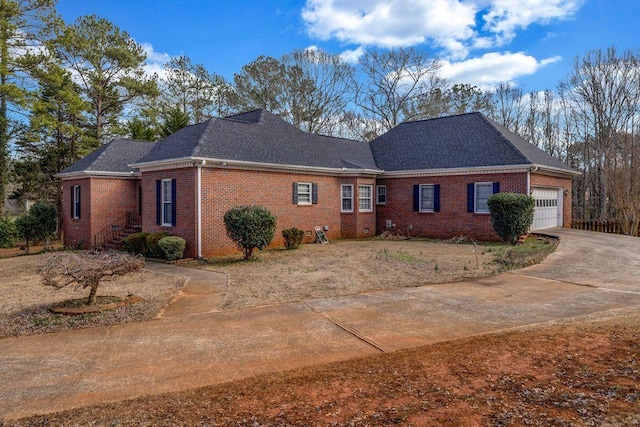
588, 258
187, 348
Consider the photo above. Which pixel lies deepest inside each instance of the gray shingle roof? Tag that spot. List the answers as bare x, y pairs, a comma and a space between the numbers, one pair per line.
464, 141
114, 156
261, 137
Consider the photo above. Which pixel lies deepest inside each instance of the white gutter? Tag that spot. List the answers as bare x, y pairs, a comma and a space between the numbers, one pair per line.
188, 161
199, 204
97, 174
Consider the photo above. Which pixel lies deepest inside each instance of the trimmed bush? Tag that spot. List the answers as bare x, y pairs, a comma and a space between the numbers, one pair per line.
172, 247
38, 223
8, 233
250, 227
136, 243
152, 243
292, 237
511, 215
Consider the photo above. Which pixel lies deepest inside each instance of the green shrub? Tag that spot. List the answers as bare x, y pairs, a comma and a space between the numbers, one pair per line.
136, 243
511, 215
172, 247
8, 233
292, 237
26, 226
38, 223
250, 227
152, 243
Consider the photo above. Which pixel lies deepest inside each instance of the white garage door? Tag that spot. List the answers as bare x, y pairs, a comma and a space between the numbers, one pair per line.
546, 211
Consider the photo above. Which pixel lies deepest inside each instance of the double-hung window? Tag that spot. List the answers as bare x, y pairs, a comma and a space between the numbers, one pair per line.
427, 198
381, 194
347, 198
75, 202
167, 202
304, 193
365, 198
483, 191
478, 193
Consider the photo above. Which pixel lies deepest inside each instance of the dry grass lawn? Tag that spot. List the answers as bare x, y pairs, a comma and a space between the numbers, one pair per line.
24, 307
348, 267
274, 276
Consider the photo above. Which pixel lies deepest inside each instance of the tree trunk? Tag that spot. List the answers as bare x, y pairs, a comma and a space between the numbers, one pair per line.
4, 119
92, 294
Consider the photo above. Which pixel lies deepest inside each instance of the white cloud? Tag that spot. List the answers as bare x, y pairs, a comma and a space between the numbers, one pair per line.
155, 61
390, 23
492, 68
506, 16
153, 56
455, 26
352, 56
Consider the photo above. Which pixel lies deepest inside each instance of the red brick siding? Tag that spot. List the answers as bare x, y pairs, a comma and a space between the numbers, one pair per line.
105, 200
358, 224
77, 231
102, 202
538, 180
186, 209
226, 188
452, 219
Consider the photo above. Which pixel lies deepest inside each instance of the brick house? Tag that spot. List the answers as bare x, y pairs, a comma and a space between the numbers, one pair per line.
426, 178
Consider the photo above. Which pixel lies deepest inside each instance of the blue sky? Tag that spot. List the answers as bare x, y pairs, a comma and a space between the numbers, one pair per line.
531, 43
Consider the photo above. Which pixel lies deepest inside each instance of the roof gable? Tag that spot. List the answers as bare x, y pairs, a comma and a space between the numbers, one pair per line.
462, 141
113, 157
260, 137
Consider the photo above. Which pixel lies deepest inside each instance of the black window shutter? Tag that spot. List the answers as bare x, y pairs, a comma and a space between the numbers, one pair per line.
416, 198
73, 204
496, 187
79, 200
295, 193
471, 197
158, 202
173, 202
436, 198
314, 193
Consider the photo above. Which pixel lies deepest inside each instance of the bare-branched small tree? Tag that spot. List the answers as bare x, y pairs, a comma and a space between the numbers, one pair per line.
86, 269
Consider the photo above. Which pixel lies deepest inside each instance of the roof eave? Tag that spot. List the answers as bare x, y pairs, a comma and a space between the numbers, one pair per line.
240, 164
458, 171
96, 174
556, 171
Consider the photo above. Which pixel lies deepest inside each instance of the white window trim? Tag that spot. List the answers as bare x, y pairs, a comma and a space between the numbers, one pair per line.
378, 188
370, 198
475, 197
420, 198
164, 202
76, 202
342, 198
302, 184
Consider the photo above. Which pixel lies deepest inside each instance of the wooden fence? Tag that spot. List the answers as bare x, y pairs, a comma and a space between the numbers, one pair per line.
611, 227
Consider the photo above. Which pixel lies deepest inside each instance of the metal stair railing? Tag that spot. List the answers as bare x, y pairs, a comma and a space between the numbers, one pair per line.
116, 229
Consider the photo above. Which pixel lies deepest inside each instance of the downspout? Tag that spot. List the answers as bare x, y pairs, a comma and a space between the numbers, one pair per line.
534, 169
199, 207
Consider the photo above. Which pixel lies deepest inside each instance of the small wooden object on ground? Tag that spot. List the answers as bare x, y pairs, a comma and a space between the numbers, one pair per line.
320, 236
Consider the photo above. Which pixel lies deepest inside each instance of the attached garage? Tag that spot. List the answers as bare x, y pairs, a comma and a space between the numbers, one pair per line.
548, 209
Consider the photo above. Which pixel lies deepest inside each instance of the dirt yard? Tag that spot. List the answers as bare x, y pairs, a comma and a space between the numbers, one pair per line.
25, 303
584, 372
351, 267
274, 276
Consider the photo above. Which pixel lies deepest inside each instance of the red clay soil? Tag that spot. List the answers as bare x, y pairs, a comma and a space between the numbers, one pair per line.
581, 373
